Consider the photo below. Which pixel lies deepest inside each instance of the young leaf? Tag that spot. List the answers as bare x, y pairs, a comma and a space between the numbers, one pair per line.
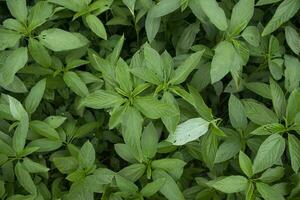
96, 26
39, 14
230, 184
241, 14
214, 12
35, 96
171, 165
245, 164
267, 192
42, 128
86, 156
153, 187
293, 39
18, 9
188, 131
285, 11
60, 40
149, 141
269, 152
251, 35
15, 61
182, 72
25, 179
293, 106
101, 99
165, 7
74, 82
294, 148
170, 189
237, 113
278, 98
39, 53
8, 38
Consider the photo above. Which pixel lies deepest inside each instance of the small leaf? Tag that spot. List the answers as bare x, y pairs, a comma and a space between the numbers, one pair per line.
60, 40
230, 184
237, 113
42, 128
25, 179
294, 148
15, 61
188, 131
251, 35
182, 72
39, 53
245, 164
165, 7
74, 82
35, 96
18, 9
153, 187
86, 156
269, 153
267, 192
96, 26
285, 11
293, 39
269, 129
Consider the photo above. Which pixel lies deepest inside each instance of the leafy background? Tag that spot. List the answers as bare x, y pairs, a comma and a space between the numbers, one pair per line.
149, 99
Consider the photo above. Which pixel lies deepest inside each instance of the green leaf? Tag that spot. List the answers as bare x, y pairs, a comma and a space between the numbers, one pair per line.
43, 129
125, 185
149, 141
230, 184
18, 9
272, 175
269, 152
35, 96
45, 144
208, 149
74, 5
39, 53
146, 74
55, 121
16, 109
60, 40
101, 99
293, 39
245, 164
171, 122
259, 88
15, 61
34, 167
265, 2
241, 14
124, 151
96, 26
153, 108
269, 129
25, 179
170, 189
130, 5
39, 14
214, 12
153, 62
74, 82
292, 74
237, 113
294, 148
182, 72
278, 98
224, 60
293, 106
268, 193
20, 135
152, 25
258, 113
123, 76
188, 131
132, 131
285, 11
228, 149
86, 156
171, 165
251, 35
153, 187
8, 39
65, 165
165, 7
133, 172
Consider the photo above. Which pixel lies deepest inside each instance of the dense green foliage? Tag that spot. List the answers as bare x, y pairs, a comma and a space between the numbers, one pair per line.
149, 99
